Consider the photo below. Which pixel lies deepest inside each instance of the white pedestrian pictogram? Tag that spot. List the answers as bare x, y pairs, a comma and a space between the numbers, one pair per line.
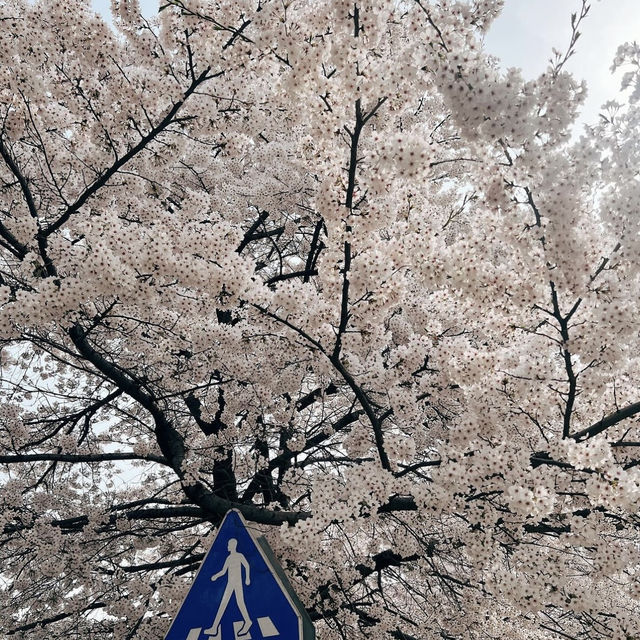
233, 568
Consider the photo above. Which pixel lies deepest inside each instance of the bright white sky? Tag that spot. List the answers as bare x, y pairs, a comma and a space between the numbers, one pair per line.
527, 31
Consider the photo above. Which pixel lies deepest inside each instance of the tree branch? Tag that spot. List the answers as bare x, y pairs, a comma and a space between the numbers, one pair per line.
134, 151
572, 378
172, 443
77, 458
22, 180
360, 394
608, 421
46, 621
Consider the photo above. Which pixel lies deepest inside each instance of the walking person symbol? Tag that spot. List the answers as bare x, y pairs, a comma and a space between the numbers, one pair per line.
233, 568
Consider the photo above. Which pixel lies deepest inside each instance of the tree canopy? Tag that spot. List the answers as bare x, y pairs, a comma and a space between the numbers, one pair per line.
321, 261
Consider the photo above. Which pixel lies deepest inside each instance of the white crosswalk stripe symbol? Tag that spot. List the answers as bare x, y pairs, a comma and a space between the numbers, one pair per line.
267, 628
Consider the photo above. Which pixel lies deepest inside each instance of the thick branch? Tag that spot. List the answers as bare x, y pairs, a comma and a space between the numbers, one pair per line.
608, 421
344, 302
360, 394
314, 251
78, 523
361, 120
384, 560
399, 503
134, 151
22, 180
163, 564
365, 403
77, 458
172, 443
305, 275
14, 245
572, 378
46, 621
249, 235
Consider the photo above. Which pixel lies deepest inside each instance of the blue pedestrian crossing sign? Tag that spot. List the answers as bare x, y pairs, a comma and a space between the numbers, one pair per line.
240, 593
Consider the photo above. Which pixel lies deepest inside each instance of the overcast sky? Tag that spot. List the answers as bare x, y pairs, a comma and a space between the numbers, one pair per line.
526, 32
524, 35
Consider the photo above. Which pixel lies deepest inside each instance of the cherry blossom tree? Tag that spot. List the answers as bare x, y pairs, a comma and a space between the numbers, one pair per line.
324, 263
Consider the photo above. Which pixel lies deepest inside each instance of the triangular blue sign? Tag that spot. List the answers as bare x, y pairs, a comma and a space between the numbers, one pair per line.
238, 593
